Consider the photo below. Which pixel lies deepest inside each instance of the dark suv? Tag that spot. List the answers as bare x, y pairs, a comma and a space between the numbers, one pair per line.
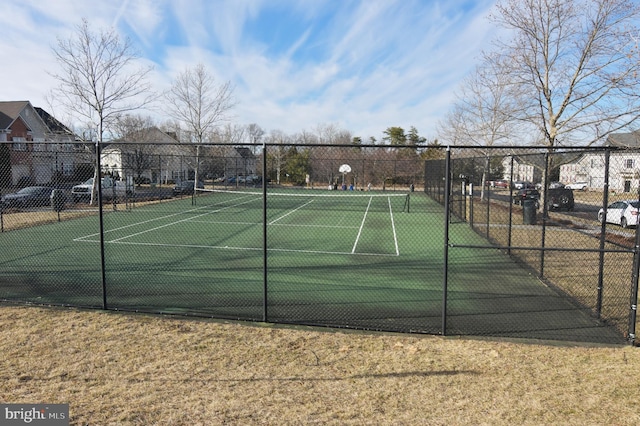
526, 194
557, 198
560, 199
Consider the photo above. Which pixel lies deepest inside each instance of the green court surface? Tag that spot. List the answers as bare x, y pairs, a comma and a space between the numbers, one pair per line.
332, 258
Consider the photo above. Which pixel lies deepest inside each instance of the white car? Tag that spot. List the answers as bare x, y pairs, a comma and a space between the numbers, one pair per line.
110, 188
623, 213
579, 186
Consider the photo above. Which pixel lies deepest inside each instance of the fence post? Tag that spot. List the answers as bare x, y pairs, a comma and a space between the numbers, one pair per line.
470, 205
447, 217
510, 207
545, 211
603, 230
98, 181
633, 305
265, 306
488, 213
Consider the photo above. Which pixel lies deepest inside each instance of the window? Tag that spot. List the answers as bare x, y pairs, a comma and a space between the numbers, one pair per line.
18, 144
628, 163
39, 145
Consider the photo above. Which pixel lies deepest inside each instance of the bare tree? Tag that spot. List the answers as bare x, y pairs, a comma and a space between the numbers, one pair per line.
138, 152
276, 155
199, 104
483, 113
234, 134
255, 134
306, 137
451, 127
98, 80
574, 64
485, 105
327, 133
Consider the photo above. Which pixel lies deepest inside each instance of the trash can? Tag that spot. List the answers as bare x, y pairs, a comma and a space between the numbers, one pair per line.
529, 211
58, 199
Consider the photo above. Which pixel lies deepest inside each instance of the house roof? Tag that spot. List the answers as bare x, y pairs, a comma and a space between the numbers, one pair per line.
244, 152
149, 135
52, 123
5, 121
10, 111
624, 140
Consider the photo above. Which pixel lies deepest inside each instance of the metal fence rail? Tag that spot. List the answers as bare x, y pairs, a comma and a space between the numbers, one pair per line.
285, 233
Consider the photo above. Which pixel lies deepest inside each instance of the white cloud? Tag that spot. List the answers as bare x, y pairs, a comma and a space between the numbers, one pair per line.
365, 65
145, 19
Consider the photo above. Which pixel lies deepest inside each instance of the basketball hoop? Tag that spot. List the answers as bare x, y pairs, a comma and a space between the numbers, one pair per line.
344, 169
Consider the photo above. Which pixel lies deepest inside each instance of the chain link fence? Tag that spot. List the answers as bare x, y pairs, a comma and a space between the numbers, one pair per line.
444, 241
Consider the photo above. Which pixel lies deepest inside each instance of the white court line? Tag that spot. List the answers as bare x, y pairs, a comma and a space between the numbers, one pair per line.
341, 253
150, 220
292, 211
355, 244
291, 225
136, 224
393, 225
180, 221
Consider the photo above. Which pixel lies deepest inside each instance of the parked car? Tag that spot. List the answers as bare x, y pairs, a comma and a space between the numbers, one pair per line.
500, 183
560, 198
186, 187
31, 196
109, 187
527, 194
623, 213
555, 185
254, 179
520, 184
579, 186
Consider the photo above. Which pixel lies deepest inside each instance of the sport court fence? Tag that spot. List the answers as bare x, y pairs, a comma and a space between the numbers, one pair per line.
287, 234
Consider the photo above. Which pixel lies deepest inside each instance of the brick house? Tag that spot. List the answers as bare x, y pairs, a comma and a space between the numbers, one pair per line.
40, 147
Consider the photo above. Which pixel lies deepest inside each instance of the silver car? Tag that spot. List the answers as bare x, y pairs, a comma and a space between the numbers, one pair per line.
579, 186
31, 196
623, 213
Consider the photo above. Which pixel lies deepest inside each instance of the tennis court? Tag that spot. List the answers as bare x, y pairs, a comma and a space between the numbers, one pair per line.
297, 222
336, 258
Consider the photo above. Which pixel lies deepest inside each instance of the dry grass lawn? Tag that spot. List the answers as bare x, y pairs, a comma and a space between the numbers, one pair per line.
134, 369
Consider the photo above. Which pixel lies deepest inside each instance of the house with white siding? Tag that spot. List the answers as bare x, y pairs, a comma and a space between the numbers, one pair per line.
148, 155
624, 165
527, 168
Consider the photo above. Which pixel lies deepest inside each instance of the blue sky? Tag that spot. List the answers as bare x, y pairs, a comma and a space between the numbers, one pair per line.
361, 65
